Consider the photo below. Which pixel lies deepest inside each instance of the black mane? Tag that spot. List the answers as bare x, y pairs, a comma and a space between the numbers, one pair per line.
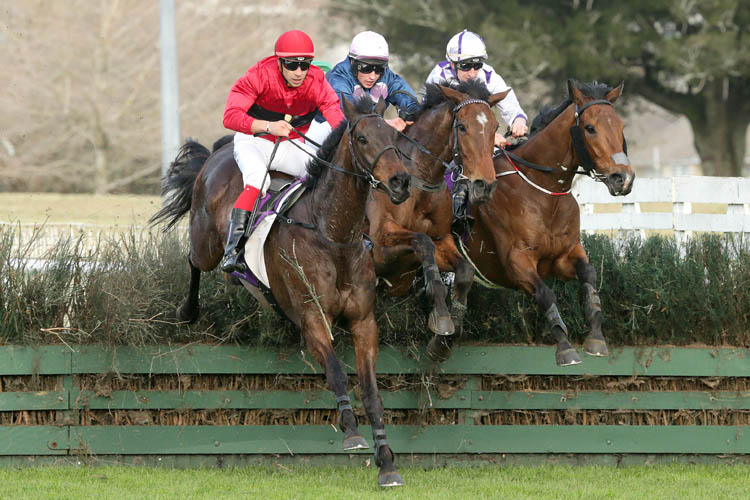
315, 167
594, 90
434, 96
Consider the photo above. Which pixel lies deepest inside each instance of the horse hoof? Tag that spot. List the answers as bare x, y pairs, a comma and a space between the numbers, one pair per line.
595, 347
439, 349
567, 357
388, 479
355, 443
186, 314
440, 325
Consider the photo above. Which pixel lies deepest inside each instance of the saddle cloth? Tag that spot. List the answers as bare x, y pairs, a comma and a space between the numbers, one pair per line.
254, 246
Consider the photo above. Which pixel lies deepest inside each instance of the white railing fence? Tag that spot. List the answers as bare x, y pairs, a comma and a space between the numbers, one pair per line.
681, 193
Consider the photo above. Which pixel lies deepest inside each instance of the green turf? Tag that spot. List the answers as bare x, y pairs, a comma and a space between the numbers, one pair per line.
297, 482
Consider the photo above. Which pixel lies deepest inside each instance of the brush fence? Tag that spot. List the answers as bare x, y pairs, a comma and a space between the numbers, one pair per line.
221, 403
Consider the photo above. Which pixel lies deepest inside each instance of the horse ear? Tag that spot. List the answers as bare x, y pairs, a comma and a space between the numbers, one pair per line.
615, 93
350, 110
575, 95
380, 106
496, 98
452, 94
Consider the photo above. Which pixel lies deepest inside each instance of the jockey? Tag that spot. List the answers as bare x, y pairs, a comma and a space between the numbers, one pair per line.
278, 93
467, 56
366, 71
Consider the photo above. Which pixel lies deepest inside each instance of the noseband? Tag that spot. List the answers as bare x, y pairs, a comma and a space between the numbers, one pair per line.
579, 144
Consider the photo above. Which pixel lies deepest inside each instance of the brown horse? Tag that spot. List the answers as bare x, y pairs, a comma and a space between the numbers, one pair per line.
452, 124
530, 230
319, 270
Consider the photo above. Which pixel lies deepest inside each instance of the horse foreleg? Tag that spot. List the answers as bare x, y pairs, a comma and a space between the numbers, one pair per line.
449, 259
439, 321
365, 335
189, 309
594, 344
527, 278
319, 344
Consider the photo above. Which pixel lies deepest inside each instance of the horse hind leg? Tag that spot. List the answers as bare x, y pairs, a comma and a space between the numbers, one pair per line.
565, 354
190, 308
595, 344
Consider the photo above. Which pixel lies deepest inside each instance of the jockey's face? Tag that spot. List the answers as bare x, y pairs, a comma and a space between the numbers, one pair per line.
464, 76
368, 74
467, 70
295, 77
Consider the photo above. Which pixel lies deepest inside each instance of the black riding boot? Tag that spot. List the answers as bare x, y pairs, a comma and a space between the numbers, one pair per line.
235, 242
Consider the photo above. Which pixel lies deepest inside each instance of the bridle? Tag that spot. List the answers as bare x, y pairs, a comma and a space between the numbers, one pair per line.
456, 168
579, 145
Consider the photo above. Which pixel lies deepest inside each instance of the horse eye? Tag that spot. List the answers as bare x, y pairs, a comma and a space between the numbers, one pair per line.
461, 127
590, 129
362, 139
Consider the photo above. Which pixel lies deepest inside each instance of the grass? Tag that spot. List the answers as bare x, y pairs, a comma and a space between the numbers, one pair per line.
678, 481
52, 208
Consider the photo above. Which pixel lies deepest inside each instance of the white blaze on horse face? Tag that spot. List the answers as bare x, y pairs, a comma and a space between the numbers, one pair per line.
482, 119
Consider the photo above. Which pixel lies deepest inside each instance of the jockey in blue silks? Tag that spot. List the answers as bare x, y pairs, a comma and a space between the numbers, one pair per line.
366, 71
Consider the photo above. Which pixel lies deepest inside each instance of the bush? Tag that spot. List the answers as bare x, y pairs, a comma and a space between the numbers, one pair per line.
126, 290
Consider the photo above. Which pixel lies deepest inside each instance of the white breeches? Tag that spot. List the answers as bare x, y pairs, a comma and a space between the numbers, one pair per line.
318, 131
253, 153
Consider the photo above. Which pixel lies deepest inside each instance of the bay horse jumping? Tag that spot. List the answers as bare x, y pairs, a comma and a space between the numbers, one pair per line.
530, 229
453, 124
319, 270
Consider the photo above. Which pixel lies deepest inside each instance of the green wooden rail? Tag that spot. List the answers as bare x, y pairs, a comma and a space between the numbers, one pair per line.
470, 400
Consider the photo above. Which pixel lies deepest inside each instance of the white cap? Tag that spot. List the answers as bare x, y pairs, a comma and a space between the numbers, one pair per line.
369, 45
465, 45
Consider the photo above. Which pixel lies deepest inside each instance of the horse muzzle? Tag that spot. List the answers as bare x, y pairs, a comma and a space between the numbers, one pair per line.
620, 183
480, 191
398, 188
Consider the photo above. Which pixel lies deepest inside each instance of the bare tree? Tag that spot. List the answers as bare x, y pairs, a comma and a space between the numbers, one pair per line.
81, 104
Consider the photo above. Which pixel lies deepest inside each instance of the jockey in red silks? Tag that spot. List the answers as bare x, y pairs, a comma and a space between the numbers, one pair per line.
278, 94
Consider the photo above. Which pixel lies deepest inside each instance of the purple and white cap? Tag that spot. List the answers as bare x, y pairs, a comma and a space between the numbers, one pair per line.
465, 45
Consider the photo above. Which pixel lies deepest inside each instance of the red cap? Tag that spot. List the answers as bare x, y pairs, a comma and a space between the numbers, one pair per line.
294, 43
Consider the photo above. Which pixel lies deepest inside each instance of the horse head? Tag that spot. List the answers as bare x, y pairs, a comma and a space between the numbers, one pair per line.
371, 144
473, 139
598, 140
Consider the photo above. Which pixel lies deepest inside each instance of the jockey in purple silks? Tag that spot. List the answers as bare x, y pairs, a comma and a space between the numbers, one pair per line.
467, 59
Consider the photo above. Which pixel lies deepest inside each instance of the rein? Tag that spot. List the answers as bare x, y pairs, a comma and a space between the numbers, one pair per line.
579, 145
457, 168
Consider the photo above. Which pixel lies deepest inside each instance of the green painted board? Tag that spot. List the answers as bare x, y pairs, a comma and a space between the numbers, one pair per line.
46, 400
25, 360
254, 400
469, 360
33, 440
103, 440
500, 400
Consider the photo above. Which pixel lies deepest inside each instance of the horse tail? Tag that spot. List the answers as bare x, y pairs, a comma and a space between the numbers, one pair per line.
177, 185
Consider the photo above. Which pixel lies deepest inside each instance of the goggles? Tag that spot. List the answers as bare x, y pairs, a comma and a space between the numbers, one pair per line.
294, 65
369, 68
468, 66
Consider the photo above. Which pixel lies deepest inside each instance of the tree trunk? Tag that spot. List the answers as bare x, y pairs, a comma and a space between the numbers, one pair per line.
719, 130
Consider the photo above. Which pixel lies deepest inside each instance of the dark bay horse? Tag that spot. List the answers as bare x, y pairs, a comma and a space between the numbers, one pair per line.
452, 124
530, 229
317, 275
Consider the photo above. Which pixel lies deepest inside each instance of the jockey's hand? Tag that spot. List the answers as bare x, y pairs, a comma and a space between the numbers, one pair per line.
500, 140
280, 128
398, 123
519, 127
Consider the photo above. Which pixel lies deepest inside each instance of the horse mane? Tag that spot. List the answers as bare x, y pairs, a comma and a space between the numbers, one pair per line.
315, 167
594, 90
433, 97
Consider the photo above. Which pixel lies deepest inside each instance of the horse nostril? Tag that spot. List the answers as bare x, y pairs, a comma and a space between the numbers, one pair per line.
617, 179
399, 182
